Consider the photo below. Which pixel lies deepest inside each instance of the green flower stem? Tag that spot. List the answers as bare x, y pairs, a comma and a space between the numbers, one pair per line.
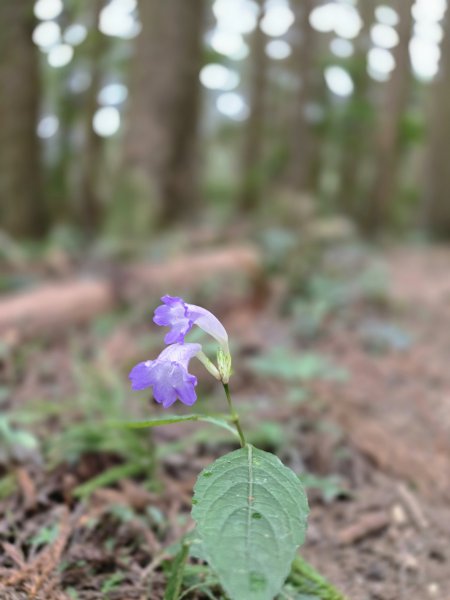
211, 367
234, 415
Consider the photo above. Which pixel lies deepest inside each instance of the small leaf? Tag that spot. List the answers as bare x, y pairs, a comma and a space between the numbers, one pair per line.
251, 515
310, 584
169, 419
111, 582
8, 485
46, 535
109, 477
176, 576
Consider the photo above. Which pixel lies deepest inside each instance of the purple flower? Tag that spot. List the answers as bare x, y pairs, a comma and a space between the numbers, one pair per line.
181, 317
168, 375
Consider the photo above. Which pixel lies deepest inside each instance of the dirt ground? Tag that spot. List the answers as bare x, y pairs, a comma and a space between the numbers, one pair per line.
395, 414
383, 430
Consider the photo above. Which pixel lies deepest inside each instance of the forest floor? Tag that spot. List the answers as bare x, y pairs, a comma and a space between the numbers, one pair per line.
361, 404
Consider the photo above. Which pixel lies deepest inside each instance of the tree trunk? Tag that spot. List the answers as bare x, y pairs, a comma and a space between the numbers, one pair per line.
357, 133
90, 205
161, 138
303, 145
254, 127
21, 205
387, 152
437, 185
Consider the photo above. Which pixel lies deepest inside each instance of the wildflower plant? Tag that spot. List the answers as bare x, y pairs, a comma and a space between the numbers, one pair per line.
250, 509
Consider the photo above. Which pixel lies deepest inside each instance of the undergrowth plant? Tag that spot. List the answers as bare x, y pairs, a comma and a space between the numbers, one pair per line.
250, 510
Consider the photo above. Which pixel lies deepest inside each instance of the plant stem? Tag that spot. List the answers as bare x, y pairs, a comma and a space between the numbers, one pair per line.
234, 415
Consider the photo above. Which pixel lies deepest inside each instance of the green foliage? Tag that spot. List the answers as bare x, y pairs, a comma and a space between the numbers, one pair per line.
111, 582
46, 535
340, 291
302, 583
89, 426
268, 434
175, 580
251, 515
290, 593
330, 487
284, 364
309, 316
109, 477
8, 486
100, 436
278, 244
14, 443
412, 127
381, 336
327, 294
169, 419
306, 580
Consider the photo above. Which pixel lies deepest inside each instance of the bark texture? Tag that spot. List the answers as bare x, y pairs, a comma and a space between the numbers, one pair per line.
387, 148
21, 206
161, 139
303, 144
358, 130
437, 192
90, 205
254, 128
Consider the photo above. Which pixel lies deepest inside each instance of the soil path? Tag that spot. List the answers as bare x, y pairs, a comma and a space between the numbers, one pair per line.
396, 405
395, 412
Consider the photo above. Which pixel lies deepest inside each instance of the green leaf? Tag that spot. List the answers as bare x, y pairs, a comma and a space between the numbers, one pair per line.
112, 582
251, 515
196, 549
302, 583
286, 365
307, 581
169, 419
8, 485
46, 535
176, 576
109, 477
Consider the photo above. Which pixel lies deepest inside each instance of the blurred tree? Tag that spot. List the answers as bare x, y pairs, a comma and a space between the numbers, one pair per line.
357, 127
303, 142
437, 182
22, 211
252, 169
387, 142
161, 137
90, 205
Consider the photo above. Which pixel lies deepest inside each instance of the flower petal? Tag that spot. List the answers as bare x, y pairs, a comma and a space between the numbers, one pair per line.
186, 391
163, 390
168, 375
209, 323
173, 313
180, 317
181, 353
140, 375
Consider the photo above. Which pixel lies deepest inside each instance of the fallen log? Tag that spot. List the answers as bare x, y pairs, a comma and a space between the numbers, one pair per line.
189, 271
54, 306
57, 306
